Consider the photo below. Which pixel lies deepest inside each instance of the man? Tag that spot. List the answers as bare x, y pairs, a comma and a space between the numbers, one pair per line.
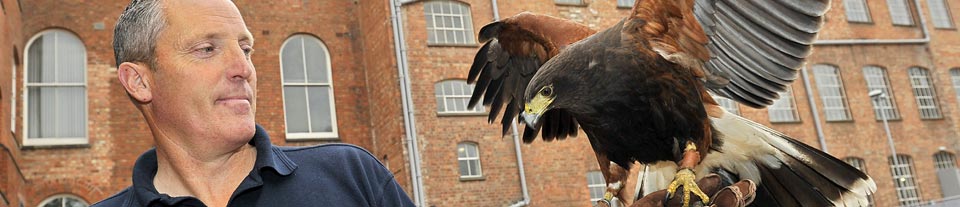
186, 66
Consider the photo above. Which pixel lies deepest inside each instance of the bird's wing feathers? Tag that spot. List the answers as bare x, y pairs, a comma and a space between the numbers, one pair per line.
746, 50
513, 51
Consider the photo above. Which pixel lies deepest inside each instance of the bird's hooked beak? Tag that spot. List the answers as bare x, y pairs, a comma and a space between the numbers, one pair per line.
534, 109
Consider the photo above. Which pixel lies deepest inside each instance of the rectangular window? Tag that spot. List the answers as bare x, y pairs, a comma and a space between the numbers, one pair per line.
876, 78
784, 109
597, 186
453, 97
830, 86
468, 157
626, 3
900, 12
924, 92
857, 10
728, 104
939, 10
907, 192
570, 2
448, 23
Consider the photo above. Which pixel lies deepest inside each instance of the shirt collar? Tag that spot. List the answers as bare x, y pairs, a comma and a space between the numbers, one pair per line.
268, 157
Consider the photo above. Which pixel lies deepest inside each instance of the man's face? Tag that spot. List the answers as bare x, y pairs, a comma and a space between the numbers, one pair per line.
204, 83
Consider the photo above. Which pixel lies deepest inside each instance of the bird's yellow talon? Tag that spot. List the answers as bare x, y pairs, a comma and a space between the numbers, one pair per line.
687, 179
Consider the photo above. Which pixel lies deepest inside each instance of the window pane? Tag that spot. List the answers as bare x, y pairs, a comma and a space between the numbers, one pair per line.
57, 202
830, 87
320, 117
876, 79
940, 14
448, 22
900, 12
70, 60
292, 61
71, 107
857, 10
625, 3
316, 60
729, 105
295, 108
784, 109
464, 168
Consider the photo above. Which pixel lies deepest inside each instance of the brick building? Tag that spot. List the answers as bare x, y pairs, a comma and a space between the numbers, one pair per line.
441, 152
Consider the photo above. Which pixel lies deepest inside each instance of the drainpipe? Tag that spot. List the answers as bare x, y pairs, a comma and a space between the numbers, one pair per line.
806, 81
813, 108
523, 177
409, 121
516, 138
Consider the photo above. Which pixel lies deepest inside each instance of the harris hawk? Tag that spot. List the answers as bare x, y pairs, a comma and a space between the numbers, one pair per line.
641, 91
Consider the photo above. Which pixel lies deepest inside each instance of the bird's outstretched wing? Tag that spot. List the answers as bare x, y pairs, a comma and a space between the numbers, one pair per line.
513, 50
746, 50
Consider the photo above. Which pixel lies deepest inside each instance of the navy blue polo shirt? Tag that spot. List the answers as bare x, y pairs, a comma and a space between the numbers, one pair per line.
323, 175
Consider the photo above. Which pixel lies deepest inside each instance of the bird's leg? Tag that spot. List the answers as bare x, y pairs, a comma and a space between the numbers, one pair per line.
685, 176
615, 176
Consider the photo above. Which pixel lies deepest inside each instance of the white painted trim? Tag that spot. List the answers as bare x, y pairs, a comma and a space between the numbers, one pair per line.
27, 141
13, 95
49, 199
333, 109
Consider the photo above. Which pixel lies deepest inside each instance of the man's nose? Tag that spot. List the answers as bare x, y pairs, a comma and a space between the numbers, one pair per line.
238, 66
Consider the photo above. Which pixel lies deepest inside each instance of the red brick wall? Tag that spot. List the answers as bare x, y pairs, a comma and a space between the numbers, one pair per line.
12, 181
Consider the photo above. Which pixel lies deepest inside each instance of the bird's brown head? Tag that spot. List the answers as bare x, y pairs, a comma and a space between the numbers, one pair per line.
558, 85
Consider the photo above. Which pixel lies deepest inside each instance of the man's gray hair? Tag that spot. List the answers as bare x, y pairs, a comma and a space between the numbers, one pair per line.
136, 33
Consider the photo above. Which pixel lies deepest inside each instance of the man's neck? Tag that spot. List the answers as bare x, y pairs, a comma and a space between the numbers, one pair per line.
210, 176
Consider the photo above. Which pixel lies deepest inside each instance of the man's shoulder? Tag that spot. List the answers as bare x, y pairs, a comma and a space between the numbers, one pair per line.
340, 150
119, 199
337, 156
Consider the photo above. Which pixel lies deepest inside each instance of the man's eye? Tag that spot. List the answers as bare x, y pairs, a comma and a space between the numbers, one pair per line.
208, 49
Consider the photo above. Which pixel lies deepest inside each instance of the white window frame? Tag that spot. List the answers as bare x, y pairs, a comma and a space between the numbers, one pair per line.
333, 134
625, 3
433, 11
944, 160
596, 175
877, 79
900, 12
908, 192
728, 104
831, 81
13, 95
861, 165
468, 158
443, 98
570, 2
63, 201
857, 11
784, 110
924, 92
940, 14
29, 141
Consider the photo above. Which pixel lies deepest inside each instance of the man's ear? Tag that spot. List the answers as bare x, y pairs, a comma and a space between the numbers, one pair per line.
133, 77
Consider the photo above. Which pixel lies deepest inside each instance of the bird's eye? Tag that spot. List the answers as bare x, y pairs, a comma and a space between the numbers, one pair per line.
547, 91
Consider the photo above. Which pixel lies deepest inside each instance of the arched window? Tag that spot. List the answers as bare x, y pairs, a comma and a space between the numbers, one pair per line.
857, 10
830, 86
56, 89
468, 156
924, 92
784, 109
861, 165
940, 13
453, 97
900, 12
63, 201
944, 160
955, 79
308, 102
876, 78
903, 179
448, 23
